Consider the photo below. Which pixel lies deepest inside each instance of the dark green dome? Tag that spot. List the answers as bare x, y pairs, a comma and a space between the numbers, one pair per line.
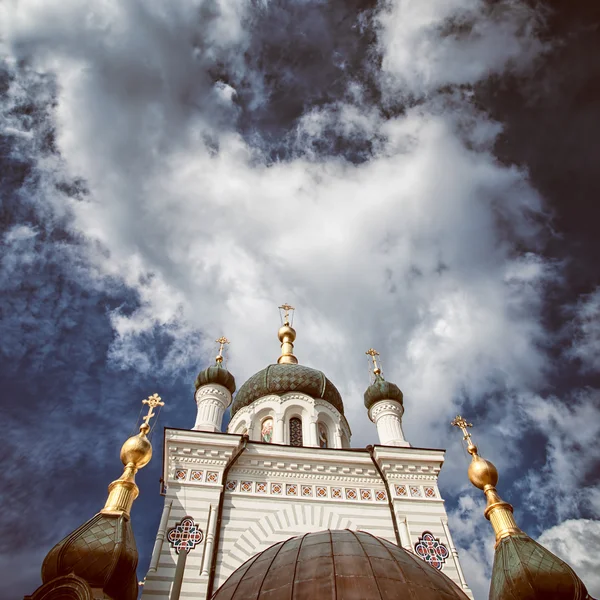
216, 374
282, 378
381, 389
526, 570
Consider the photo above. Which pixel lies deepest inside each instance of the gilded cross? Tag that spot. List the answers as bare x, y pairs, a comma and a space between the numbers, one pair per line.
286, 316
152, 402
221, 341
462, 424
373, 354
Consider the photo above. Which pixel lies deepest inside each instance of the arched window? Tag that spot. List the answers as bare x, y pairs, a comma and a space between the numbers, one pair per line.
266, 431
323, 435
295, 432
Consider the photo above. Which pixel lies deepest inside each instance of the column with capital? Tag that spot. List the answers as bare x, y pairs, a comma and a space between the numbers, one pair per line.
279, 433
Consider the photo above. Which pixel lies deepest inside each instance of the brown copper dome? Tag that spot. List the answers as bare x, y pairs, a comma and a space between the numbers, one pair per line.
337, 565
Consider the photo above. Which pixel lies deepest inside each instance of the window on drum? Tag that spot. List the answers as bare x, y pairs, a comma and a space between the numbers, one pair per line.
266, 432
323, 437
295, 432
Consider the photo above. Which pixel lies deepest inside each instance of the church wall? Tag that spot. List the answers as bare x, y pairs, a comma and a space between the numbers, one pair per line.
276, 492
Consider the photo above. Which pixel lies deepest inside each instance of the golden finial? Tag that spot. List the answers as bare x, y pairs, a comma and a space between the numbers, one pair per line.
484, 475
287, 335
221, 341
373, 354
136, 453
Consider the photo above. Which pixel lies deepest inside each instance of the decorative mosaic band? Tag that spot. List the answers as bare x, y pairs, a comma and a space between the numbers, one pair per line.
415, 491
306, 491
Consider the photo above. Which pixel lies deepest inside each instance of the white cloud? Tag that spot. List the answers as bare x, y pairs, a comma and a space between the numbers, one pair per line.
404, 251
429, 45
577, 542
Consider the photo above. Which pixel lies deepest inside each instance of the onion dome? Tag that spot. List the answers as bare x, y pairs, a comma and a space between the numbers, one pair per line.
526, 570
381, 389
337, 564
287, 377
216, 374
523, 569
102, 552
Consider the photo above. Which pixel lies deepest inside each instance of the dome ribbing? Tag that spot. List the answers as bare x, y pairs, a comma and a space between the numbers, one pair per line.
337, 565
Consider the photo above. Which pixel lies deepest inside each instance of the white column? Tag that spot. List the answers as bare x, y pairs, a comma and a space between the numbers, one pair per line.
337, 437
313, 436
454, 551
279, 432
212, 401
160, 536
387, 416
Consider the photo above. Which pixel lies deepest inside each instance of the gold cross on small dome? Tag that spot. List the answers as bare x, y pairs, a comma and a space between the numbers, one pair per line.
221, 341
373, 354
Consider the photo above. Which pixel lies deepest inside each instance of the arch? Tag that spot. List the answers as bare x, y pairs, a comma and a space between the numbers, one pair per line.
295, 519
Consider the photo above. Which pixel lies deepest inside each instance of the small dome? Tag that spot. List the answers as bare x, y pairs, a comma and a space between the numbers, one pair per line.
102, 552
282, 378
381, 389
524, 569
216, 374
338, 565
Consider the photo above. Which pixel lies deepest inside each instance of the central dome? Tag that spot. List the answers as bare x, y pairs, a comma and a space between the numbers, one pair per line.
337, 565
283, 378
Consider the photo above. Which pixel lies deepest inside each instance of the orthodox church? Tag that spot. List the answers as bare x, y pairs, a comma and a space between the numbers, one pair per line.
281, 507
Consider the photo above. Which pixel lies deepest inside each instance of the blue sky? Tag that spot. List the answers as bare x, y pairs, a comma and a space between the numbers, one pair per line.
418, 177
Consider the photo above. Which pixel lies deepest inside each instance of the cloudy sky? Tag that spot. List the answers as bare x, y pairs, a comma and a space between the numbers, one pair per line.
420, 177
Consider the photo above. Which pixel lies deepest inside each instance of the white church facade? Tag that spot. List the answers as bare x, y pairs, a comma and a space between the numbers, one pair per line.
286, 468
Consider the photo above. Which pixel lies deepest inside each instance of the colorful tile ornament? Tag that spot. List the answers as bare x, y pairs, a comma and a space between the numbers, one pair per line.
401, 490
351, 494
366, 495
321, 492
307, 491
180, 474
231, 485
336, 493
261, 487
196, 475
380, 496
212, 477
429, 492
186, 535
276, 488
431, 550
415, 491
246, 486
291, 489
